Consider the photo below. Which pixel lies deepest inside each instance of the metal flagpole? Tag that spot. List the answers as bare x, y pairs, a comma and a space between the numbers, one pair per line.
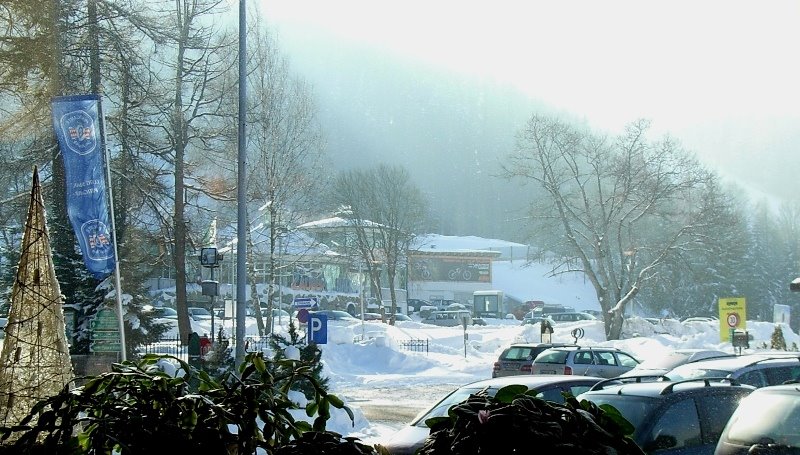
241, 247
117, 281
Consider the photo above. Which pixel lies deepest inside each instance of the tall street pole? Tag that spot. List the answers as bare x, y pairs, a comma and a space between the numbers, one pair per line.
241, 246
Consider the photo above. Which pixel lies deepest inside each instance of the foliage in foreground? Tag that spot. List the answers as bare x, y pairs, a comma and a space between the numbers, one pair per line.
139, 409
513, 421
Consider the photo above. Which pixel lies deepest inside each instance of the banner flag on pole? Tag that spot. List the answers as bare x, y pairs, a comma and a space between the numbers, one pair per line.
76, 123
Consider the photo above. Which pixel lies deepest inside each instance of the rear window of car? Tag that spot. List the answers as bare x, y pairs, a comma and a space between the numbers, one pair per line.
635, 409
692, 372
553, 357
518, 353
766, 417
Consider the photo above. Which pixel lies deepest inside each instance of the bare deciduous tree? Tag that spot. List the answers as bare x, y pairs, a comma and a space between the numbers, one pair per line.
285, 150
614, 209
385, 209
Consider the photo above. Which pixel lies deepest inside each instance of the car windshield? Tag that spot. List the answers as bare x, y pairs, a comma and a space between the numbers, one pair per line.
766, 418
693, 372
667, 362
440, 408
635, 409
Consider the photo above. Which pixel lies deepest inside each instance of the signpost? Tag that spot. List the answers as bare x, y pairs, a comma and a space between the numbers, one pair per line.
304, 303
104, 332
317, 328
732, 317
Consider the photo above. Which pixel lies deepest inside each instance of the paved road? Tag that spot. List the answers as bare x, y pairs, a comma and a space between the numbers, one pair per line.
394, 406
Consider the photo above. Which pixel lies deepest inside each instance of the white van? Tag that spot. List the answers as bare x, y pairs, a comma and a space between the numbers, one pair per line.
448, 318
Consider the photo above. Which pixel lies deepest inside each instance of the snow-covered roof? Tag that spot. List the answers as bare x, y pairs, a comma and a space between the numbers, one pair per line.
435, 243
336, 222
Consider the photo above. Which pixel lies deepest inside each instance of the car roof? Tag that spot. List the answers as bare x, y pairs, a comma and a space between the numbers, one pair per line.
574, 348
534, 345
658, 387
742, 361
529, 381
787, 388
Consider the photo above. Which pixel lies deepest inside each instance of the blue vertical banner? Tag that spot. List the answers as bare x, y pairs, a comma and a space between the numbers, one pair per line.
76, 121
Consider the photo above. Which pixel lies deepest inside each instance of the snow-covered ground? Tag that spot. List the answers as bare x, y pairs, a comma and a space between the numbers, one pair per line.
379, 363
366, 363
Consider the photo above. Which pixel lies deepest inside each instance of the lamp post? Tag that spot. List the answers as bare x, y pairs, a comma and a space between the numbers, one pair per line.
210, 258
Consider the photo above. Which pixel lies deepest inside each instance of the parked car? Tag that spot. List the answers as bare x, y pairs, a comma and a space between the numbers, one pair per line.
337, 315
585, 361
448, 318
371, 317
277, 313
517, 358
699, 319
531, 319
759, 370
416, 304
660, 365
685, 417
161, 312
571, 316
766, 422
408, 439
199, 314
401, 317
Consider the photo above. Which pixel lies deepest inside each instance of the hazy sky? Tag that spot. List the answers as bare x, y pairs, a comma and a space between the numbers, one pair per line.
721, 76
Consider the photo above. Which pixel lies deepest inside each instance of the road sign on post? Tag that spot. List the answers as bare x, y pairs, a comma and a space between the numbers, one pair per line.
305, 303
732, 316
317, 328
104, 333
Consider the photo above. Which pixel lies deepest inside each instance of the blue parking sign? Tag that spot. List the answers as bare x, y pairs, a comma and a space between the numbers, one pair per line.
317, 328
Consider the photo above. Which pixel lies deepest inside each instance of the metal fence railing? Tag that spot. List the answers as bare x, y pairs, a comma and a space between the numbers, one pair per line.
256, 344
166, 346
416, 345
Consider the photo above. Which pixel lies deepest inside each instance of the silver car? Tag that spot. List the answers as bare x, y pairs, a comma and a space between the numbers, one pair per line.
758, 370
411, 437
584, 361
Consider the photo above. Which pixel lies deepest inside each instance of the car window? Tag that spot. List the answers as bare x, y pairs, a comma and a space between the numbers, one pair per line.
579, 389
626, 360
553, 357
677, 427
605, 358
757, 378
715, 410
551, 394
583, 358
517, 353
780, 375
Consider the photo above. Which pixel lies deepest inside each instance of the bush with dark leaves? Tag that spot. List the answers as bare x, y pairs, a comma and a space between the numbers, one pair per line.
515, 422
138, 409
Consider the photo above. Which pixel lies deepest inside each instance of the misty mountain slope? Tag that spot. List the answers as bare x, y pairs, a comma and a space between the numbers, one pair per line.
450, 131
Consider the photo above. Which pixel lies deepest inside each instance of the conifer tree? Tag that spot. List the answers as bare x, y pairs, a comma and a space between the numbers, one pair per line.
309, 354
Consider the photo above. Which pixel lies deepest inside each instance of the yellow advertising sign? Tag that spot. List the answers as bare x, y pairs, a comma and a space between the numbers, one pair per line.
732, 315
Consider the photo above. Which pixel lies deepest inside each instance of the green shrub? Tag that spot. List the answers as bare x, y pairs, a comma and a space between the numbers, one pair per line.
138, 409
514, 421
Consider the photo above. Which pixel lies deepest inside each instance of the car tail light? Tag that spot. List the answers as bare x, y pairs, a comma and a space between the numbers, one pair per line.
567, 370
526, 369
496, 366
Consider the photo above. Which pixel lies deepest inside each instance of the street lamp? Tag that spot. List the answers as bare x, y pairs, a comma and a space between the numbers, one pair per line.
210, 258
